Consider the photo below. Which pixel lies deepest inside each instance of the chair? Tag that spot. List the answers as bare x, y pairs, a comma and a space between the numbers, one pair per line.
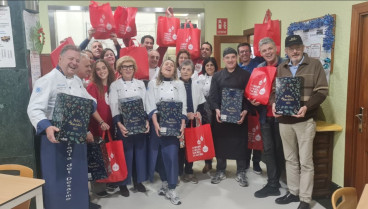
349, 198
24, 172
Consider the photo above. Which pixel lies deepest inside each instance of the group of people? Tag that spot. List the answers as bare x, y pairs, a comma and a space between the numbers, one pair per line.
100, 75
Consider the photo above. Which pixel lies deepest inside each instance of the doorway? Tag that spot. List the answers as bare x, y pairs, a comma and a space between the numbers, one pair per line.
356, 138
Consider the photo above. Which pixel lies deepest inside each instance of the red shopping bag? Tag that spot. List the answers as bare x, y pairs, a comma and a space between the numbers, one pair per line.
167, 29
56, 53
141, 58
269, 28
260, 84
189, 39
199, 143
115, 151
254, 132
125, 22
102, 20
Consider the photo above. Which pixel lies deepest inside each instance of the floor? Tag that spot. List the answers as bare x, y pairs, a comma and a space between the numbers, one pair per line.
226, 195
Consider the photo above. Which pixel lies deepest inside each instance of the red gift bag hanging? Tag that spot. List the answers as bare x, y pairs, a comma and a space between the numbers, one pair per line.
102, 20
189, 39
167, 29
199, 143
141, 58
56, 53
115, 151
254, 132
260, 84
125, 22
269, 28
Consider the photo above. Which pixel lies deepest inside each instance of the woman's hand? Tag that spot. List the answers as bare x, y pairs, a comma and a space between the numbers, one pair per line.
218, 116
155, 124
190, 115
123, 130
104, 126
254, 102
182, 128
147, 127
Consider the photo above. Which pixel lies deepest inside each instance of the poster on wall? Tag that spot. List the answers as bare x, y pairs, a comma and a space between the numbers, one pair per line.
221, 26
318, 36
35, 66
7, 56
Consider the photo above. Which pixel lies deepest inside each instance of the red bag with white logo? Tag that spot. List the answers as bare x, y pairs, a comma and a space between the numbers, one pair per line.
141, 58
167, 29
102, 20
199, 143
125, 22
189, 39
269, 28
254, 132
56, 53
115, 151
260, 84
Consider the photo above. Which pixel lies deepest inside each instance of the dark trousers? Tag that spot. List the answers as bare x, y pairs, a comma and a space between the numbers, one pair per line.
240, 164
184, 165
272, 151
256, 156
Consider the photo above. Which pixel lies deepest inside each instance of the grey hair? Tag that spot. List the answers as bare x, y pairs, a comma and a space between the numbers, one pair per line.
69, 47
84, 55
187, 62
264, 41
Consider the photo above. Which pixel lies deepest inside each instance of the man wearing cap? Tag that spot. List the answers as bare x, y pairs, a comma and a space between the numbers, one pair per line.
230, 139
298, 131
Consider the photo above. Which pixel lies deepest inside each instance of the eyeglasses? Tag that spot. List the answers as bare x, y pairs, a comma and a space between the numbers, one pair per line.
296, 48
127, 67
244, 52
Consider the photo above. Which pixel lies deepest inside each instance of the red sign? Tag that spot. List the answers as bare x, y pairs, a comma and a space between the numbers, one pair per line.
221, 26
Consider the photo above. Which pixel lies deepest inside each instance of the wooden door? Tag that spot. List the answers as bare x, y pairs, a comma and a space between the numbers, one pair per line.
356, 141
218, 40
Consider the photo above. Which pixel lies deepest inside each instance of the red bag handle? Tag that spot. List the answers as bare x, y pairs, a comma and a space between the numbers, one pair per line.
199, 122
109, 138
131, 43
267, 17
169, 12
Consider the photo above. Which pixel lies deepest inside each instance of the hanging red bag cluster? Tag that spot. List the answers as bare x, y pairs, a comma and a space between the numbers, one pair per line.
102, 20
167, 29
260, 84
189, 39
125, 22
269, 28
141, 58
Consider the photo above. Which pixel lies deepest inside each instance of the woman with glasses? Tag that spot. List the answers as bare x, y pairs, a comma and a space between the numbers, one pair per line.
163, 150
127, 87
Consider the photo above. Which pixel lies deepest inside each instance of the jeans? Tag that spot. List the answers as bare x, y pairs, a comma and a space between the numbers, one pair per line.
221, 165
273, 151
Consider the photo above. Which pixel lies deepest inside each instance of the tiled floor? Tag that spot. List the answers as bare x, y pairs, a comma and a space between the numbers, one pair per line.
226, 195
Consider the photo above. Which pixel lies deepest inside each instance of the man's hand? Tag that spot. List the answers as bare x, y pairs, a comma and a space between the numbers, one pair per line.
91, 31
254, 102
274, 111
114, 38
50, 133
218, 115
301, 112
190, 115
182, 129
242, 116
147, 127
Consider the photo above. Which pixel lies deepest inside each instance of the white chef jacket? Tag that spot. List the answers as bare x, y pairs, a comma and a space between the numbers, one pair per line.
42, 102
205, 82
166, 91
120, 89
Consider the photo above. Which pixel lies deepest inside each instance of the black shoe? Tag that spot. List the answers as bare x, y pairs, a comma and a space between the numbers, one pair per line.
124, 191
102, 194
111, 188
267, 191
257, 169
303, 205
94, 206
288, 198
140, 187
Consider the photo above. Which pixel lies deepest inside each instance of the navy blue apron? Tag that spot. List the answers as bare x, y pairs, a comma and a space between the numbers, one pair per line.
64, 168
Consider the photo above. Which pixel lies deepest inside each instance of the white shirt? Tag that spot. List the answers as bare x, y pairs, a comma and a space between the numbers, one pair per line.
153, 73
166, 91
120, 89
205, 82
42, 102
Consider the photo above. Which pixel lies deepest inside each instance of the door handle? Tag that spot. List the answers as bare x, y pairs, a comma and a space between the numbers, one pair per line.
360, 116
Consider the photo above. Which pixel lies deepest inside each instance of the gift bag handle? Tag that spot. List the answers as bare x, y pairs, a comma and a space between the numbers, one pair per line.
131, 43
109, 138
199, 122
169, 12
267, 17
187, 21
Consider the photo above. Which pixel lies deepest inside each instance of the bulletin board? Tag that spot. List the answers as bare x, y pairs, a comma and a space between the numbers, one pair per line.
318, 36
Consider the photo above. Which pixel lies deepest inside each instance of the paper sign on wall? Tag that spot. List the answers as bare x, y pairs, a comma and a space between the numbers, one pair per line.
7, 56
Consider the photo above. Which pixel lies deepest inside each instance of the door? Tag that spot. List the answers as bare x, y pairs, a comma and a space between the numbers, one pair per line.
356, 140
